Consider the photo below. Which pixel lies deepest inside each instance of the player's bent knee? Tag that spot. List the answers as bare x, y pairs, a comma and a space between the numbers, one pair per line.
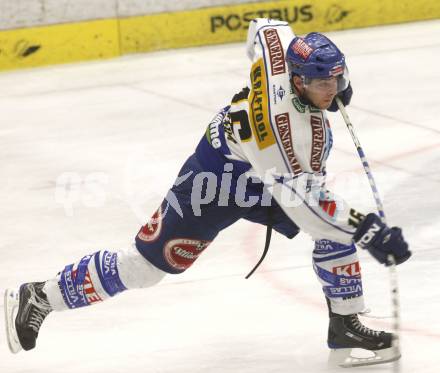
169, 243
137, 272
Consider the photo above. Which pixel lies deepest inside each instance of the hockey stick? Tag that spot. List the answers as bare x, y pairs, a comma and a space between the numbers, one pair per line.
394, 287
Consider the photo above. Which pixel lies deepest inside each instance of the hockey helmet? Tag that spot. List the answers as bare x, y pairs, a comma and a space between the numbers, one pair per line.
316, 57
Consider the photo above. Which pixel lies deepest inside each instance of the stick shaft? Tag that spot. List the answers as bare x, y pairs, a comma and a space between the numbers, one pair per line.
394, 286
364, 161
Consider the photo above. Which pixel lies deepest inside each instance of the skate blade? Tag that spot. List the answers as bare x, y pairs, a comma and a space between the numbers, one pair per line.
11, 309
349, 358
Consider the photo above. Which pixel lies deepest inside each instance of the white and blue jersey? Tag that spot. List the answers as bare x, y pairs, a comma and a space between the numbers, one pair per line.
268, 131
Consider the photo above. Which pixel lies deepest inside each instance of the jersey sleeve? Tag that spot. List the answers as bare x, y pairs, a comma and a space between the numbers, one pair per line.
305, 200
255, 26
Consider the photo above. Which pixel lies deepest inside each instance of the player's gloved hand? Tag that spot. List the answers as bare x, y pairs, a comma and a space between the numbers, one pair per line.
345, 97
380, 240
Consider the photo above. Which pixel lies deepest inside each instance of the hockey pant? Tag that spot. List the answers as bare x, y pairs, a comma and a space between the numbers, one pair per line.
170, 242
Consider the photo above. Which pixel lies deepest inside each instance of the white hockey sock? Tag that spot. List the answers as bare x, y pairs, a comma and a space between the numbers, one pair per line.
99, 276
338, 270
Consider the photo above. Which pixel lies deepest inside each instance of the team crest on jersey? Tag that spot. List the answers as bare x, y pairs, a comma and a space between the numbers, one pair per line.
181, 253
151, 231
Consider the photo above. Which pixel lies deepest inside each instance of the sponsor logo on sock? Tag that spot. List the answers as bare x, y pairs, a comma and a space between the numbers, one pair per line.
349, 270
89, 290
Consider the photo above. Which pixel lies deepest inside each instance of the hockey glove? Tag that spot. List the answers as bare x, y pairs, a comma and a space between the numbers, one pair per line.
380, 240
345, 97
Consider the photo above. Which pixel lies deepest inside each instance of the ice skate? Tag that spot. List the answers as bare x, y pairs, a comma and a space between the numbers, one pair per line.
25, 310
353, 344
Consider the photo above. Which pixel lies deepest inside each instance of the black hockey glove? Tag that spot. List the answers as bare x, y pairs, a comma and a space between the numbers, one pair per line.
381, 240
345, 97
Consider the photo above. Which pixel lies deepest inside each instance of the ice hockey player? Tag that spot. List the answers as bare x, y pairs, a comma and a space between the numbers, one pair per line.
262, 159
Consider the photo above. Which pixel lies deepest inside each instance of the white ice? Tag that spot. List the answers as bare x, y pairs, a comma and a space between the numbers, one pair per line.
88, 151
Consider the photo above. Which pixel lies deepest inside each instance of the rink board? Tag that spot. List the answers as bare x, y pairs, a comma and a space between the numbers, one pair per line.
230, 23
46, 45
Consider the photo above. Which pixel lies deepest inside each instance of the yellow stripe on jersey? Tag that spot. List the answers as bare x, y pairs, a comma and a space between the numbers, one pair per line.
259, 107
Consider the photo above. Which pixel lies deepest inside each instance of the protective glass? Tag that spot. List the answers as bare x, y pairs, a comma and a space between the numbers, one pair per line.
334, 84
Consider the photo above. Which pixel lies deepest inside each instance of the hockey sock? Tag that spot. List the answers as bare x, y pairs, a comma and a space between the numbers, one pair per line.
338, 270
99, 276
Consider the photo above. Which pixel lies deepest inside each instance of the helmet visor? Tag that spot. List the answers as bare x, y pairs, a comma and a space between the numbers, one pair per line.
335, 84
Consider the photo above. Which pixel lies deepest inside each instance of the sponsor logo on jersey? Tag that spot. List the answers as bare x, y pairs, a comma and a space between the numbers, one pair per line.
283, 125
180, 253
281, 93
213, 133
349, 270
276, 53
278, 93
151, 231
298, 105
302, 48
258, 107
329, 207
317, 142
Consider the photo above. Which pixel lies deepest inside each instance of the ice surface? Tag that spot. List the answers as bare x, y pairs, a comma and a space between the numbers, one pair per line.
87, 152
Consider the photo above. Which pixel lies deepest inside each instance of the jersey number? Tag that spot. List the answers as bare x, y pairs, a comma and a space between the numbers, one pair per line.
242, 118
